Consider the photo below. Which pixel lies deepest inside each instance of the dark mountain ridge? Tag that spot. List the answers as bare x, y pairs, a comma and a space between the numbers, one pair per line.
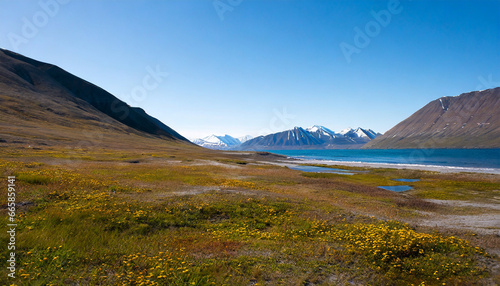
286, 139
34, 90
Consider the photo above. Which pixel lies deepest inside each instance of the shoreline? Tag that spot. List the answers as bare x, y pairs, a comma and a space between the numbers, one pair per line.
435, 168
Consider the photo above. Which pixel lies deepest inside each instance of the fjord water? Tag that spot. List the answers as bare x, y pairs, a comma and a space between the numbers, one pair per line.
468, 158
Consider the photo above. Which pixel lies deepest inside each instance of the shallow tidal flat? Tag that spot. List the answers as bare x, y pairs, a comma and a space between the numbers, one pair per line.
176, 218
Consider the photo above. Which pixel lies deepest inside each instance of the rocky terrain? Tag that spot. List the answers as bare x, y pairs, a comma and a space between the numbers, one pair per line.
470, 120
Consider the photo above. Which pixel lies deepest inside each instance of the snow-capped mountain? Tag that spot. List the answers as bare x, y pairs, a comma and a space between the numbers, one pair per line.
217, 142
359, 133
245, 138
315, 137
322, 133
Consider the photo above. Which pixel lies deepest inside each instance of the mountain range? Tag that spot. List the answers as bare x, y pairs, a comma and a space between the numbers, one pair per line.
315, 137
469, 120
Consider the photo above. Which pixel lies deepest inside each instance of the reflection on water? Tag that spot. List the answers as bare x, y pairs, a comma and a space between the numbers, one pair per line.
396, 188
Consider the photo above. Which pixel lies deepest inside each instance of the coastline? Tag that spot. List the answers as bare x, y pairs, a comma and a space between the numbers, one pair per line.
434, 168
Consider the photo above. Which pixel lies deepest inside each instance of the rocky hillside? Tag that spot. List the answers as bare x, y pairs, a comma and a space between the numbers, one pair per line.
470, 120
42, 102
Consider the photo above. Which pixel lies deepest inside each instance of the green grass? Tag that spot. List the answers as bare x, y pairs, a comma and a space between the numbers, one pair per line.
107, 240
432, 185
34, 179
458, 190
109, 224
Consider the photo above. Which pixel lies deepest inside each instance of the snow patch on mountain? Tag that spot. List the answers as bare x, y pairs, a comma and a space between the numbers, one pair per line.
217, 142
359, 133
323, 133
245, 138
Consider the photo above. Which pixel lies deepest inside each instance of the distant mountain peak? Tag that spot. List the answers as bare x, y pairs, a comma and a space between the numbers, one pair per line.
315, 128
322, 132
359, 132
245, 138
217, 142
344, 131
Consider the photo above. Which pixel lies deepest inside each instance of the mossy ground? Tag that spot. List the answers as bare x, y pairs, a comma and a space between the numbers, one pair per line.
180, 218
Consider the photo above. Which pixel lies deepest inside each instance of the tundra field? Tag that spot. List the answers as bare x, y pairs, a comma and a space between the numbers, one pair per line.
180, 215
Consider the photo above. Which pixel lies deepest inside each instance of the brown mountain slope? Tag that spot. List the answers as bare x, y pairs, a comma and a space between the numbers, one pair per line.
43, 104
470, 120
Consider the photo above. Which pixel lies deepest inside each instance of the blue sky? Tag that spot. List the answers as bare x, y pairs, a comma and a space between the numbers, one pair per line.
251, 67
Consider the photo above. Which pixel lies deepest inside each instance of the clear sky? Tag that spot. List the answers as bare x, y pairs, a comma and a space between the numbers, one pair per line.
251, 67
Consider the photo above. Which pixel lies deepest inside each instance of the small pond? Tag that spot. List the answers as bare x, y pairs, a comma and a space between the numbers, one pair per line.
315, 169
396, 188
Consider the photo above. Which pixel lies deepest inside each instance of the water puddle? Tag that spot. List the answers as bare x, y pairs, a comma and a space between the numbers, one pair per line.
315, 169
396, 188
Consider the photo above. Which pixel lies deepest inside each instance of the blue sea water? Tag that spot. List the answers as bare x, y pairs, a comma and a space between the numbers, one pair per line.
467, 158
